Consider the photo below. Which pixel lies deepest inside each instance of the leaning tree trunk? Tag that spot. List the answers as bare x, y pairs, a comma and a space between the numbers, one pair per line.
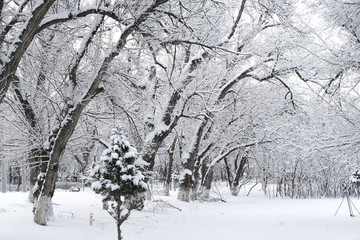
43, 206
58, 142
61, 135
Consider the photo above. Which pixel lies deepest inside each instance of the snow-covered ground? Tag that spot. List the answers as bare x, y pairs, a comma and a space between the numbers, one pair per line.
254, 217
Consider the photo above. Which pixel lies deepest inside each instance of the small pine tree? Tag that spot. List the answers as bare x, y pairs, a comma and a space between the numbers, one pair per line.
118, 180
355, 178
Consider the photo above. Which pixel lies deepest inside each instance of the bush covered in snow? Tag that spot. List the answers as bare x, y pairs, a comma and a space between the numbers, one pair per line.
118, 179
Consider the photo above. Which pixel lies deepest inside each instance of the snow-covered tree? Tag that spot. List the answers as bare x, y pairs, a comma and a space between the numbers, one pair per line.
119, 180
74, 99
355, 180
356, 177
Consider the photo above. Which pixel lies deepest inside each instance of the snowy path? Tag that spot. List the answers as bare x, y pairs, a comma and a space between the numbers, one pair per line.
246, 218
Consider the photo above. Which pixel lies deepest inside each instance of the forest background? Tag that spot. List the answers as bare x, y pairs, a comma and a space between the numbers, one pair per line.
237, 91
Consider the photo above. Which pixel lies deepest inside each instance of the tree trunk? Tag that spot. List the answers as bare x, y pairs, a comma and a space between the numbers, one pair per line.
170, 166
186, 182
61, 135
33, 173
43, 210
196, 179
184, 193
37, 164
118, 231
3, 176
234, 189
59, 144
24, 179
228, 172
207, 185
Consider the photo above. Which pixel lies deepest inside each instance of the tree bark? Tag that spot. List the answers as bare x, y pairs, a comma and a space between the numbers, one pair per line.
3, 175
207, 185
37, 161
118, 225
43, 210
238, 175
170, 166
184, 193
186, 183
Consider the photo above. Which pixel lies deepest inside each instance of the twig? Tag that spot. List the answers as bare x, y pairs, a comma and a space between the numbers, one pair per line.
218, 192
252, 188
160, 200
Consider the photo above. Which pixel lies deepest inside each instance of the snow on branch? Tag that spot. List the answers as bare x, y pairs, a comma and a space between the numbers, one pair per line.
201, 44
243, 73
20, 45
81, 52
238, 18
71, 15
230, 150
13, 21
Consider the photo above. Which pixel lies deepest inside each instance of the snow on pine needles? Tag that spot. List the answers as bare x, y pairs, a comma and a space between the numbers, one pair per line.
118, 180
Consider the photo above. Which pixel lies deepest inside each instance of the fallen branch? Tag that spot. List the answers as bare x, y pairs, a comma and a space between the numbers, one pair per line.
162, 201
252, 189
